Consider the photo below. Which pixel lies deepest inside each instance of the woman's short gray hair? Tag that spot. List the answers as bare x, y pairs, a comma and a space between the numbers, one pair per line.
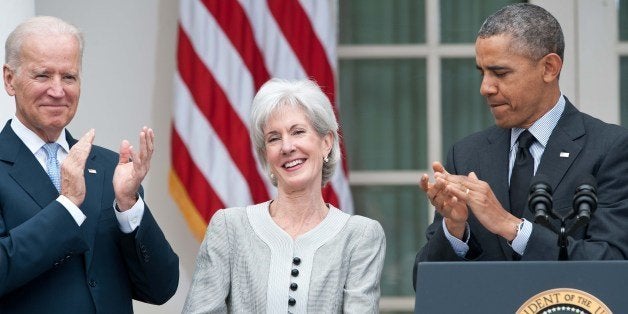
306, 94
39, 25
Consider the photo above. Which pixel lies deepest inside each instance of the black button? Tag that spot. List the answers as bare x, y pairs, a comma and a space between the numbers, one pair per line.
296, 261
292, 301
293, 286
92, 283
295, 272
56, 264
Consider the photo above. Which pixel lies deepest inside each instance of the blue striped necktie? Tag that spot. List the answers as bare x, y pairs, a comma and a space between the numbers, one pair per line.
52, 164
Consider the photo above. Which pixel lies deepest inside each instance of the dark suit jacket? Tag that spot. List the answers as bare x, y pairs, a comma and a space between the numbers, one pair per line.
594, 147
48, 264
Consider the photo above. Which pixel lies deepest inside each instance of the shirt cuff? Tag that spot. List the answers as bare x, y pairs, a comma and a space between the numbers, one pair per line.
460, 247
520, 242
130, 219
72, 209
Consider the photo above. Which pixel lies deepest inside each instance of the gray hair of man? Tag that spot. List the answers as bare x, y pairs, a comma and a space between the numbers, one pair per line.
535, 32
303, 93
39, 25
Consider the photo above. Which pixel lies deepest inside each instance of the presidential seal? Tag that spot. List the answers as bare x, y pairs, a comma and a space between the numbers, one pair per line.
563, 301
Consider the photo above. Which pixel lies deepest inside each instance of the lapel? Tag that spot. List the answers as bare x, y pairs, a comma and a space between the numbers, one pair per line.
494, 170
26, 170
494, 167
570, 127
91, 207
31, 177
563, 140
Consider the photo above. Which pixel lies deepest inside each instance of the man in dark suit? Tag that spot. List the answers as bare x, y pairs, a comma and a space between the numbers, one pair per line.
519, 52
79, 238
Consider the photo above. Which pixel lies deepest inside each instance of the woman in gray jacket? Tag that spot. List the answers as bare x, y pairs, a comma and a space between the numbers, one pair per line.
294, 253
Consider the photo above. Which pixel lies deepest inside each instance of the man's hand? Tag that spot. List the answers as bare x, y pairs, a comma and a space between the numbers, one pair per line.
73, 167
132, 168
484, 204
453, 210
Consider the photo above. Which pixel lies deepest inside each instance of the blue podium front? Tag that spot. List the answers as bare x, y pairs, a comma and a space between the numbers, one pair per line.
598, 287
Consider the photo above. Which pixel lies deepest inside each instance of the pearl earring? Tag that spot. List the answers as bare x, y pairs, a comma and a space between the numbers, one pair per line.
272, 176
326, 159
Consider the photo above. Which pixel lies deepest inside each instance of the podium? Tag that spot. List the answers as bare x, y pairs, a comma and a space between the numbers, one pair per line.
597, 287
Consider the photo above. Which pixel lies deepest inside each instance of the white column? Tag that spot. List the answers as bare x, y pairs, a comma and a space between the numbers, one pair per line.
564, 12
598, 61
590, 76
12, 12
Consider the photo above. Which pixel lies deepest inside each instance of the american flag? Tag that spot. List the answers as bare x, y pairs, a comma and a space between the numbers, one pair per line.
226, 50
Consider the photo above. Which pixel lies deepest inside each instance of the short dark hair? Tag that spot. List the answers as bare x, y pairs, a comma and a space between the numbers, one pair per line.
535, 32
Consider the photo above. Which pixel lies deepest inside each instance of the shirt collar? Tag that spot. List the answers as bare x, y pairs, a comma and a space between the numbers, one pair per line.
543, 127
32, 140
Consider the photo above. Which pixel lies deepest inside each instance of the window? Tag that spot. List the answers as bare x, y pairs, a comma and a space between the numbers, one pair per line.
408, 89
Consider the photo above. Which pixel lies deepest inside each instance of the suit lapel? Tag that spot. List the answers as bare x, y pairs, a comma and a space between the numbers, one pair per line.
26, 170
31, 177
495, 171
91, 207
562, 148
554, 162
495, 166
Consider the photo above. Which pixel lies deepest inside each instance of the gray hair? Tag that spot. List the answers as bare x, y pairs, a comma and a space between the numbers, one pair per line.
40, 25
305, 94
535, 32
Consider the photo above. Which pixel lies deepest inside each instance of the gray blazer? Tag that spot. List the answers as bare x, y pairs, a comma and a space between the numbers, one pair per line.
579, 145
245, 265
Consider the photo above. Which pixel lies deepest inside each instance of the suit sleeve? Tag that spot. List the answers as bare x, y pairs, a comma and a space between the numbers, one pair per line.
41, 243
152, 265
211, 281
362, 289
606, 235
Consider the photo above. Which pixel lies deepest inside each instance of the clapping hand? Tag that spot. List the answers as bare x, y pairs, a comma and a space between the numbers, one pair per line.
132, 168
73, 167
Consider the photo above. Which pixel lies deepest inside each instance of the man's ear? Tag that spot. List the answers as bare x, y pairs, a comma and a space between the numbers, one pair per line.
8, 76
552, 64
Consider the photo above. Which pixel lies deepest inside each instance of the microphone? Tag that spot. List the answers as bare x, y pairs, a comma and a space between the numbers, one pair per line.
540, 201
584, 201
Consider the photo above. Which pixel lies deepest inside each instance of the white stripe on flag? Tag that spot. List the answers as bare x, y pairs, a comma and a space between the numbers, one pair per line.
319, 12
207, 151
225, 63
278, 55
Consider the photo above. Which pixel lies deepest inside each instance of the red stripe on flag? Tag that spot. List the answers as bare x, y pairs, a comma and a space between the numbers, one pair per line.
213, 103
235, 24
200, 192
297, 29
330, 196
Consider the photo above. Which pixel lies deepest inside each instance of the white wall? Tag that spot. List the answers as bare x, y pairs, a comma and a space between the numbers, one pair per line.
128, 65
590, 77
12, 12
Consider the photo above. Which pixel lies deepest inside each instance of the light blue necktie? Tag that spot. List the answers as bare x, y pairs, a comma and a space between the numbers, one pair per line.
52, 164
